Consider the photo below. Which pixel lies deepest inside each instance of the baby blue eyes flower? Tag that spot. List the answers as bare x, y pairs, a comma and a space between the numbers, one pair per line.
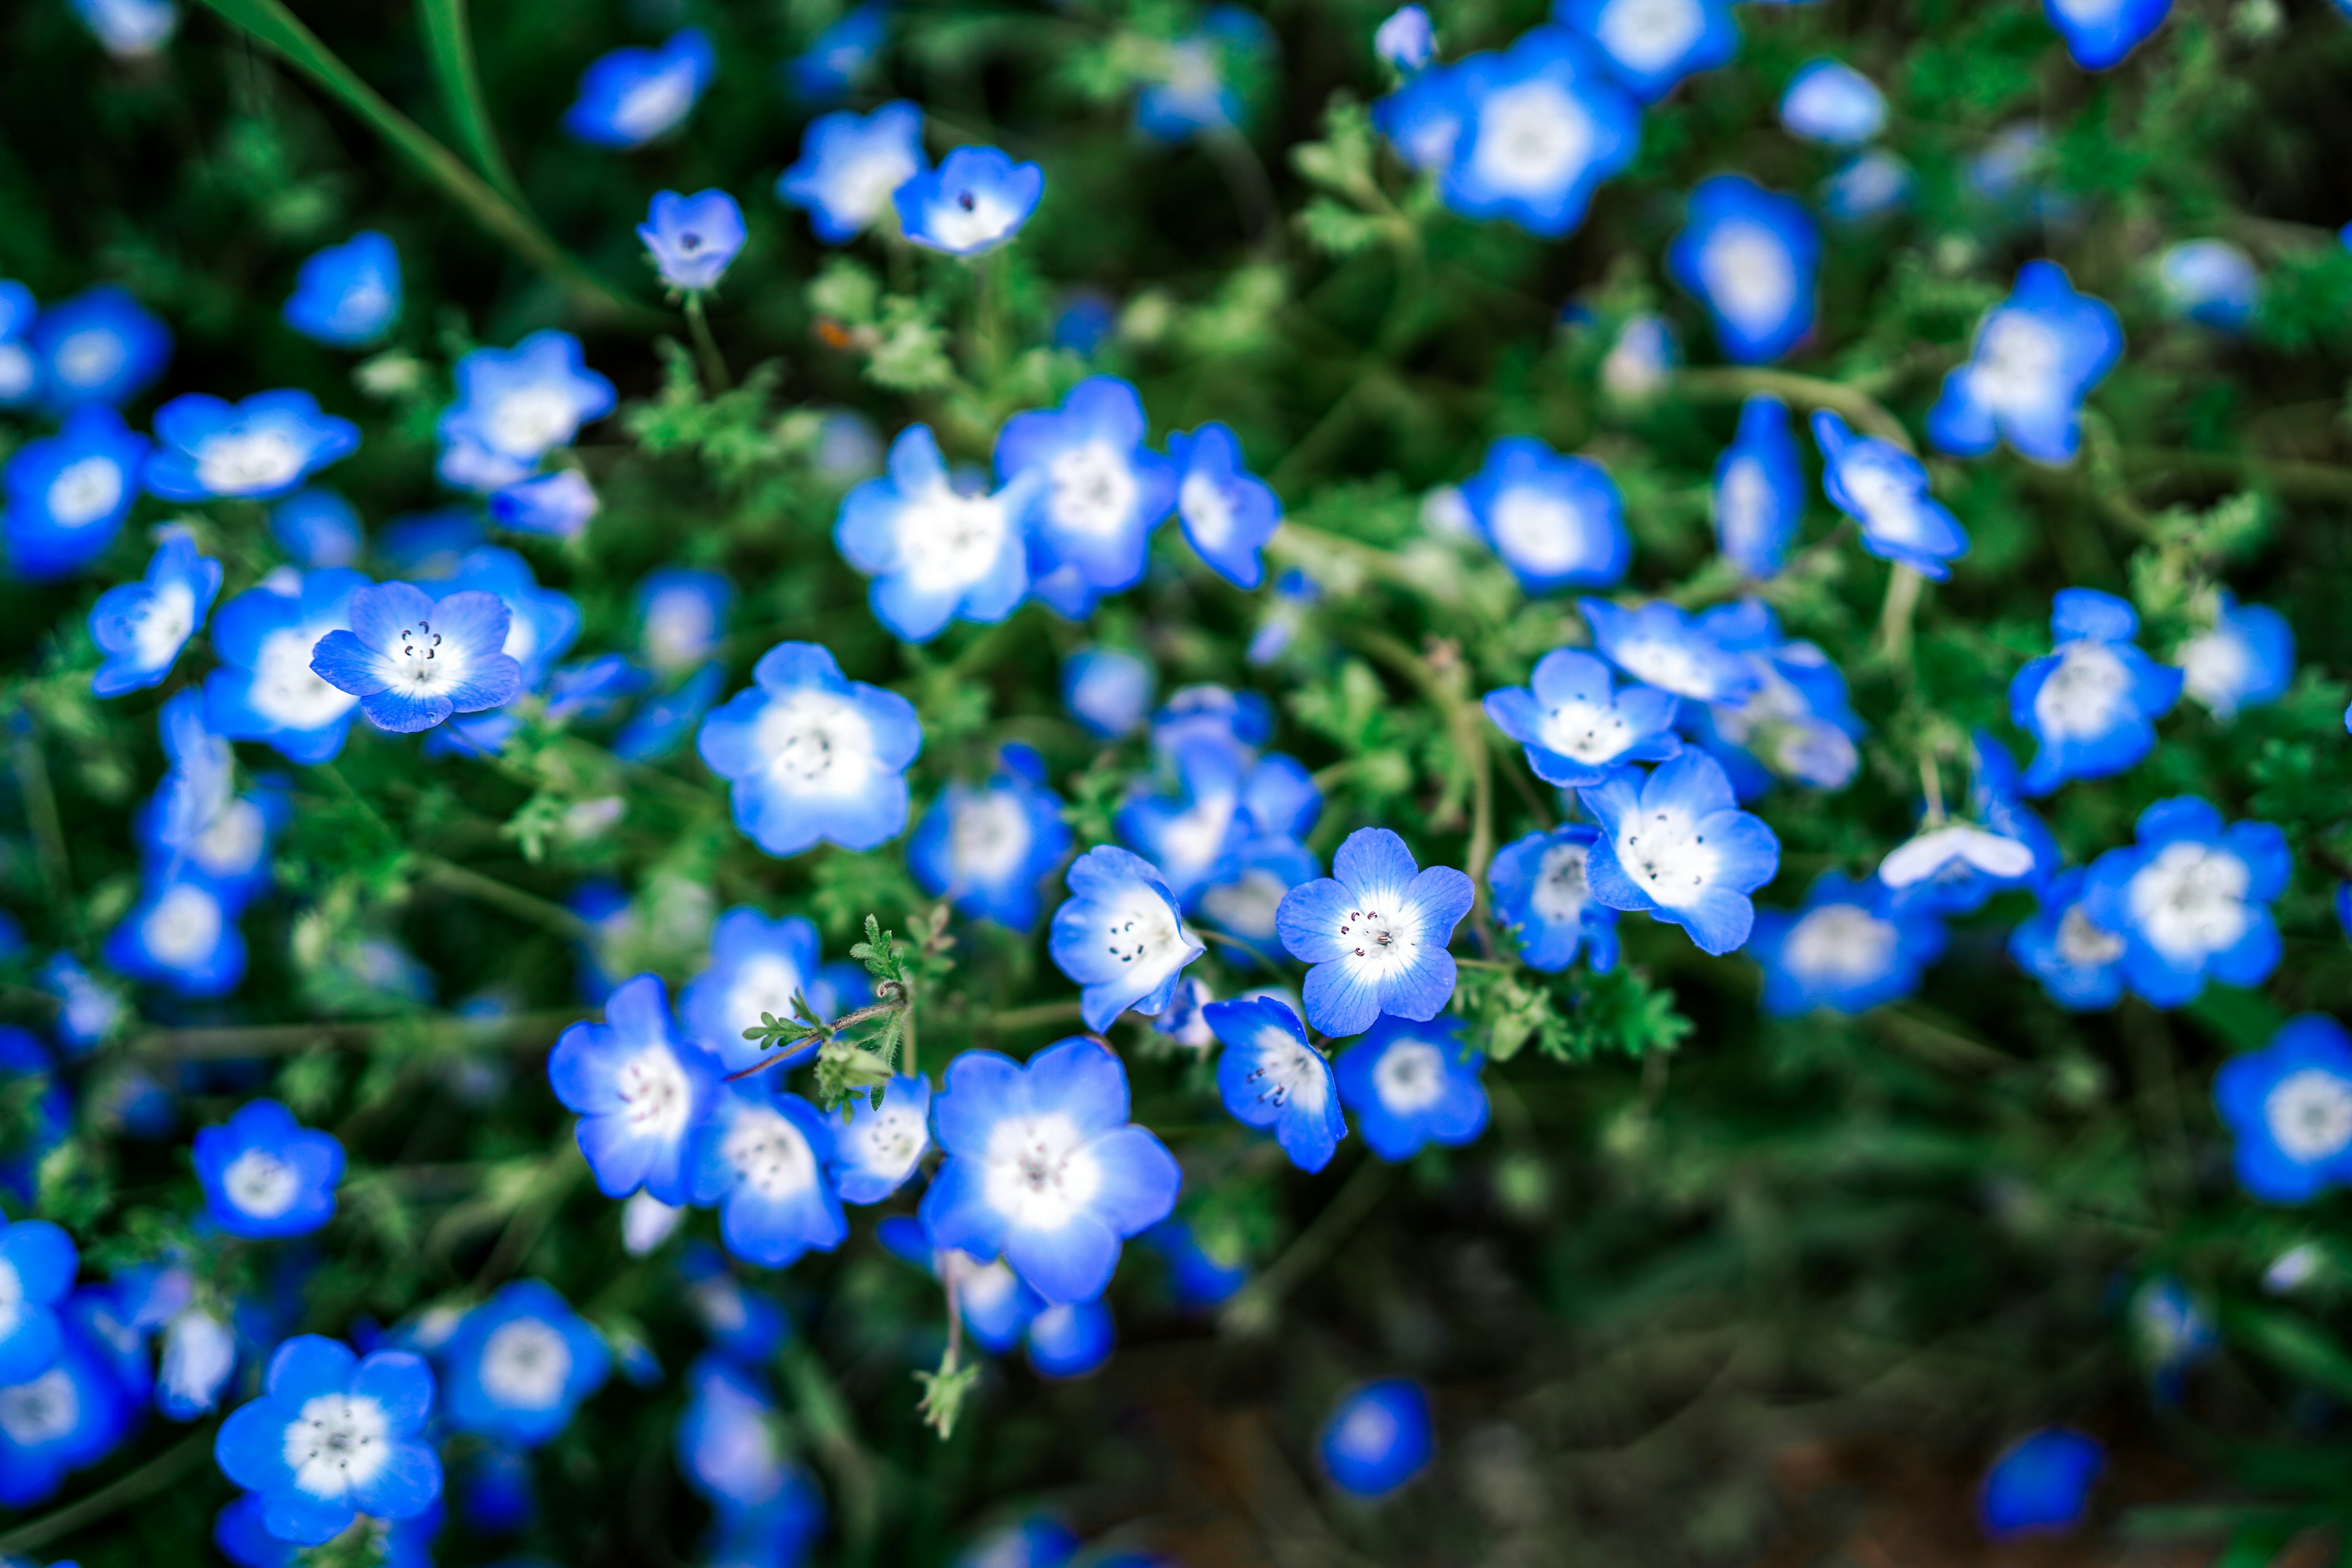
692, 240
1752, 259
1526, 135
1108, 690
331, 1437
2208, 280
1675, 844
514, 406
101, 346
2093, 702
873, 1153
1651, 44
1554, 521
263, 689
1044, 1167
1759, 489
2078, 960
2037, 354
413, 661
2191, 901
758, 1157
933, 551
254, 450
68, 493
37, 1262
1412, 1084
1377, 1438
554, 505
2100, 32
1098, 490
1375, 932
989, 846
1424, 119
1406, 40
1953, 866
130, 29
757, 965
142, 626
1575, 727
1189, 91
1227, 513
1270, 1078
638, 1091
519, 1364
265, 1175
1071, 1338
1830, 102
1120, 935
1884, 489
2289, 1109
1542, 890
976, 199
2042, 1482
2245, 660
838, 55
71, 1416
630, 96
1849, 948
1661, 646
681, 615
851, 165
317, 526
1226, 799
811, 756
1866, 186
348, 295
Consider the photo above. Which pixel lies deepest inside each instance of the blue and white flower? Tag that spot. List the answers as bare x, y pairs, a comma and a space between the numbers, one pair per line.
1071, 1338
1377, 1438
1651, 44
264, 687
2208, 280
1662, 647
61, 1419
1884, 489
730, 1439
1829, 101
630, 96
2092, 702
1405, 39
519, 1364
346, 295
1270, 1078
811, 756
2037, 354
1225, 799
2191, 901
1413, 1083
977, 199
554, 505
2244, 659
1182, 1022
692, 240
1424, 119
142, 626
1237, 721
1867, 186
1759, 489
639, 1093
1850, 947
1641, 360
936, 551
2042, 1482
334, 1436
757, 966
181, 934
2100, 32
68, 493
101, 346
87, 1009
1044, 1167
1575, 726
836, 56
37, 1263
266, 1176
745, 1324
130, 29
1120, 935
682, 615
1526, 135
873, 1153
413, 661
851, 165
2289, 1110
254, 450
19, 375
1108, 690
1288, 613
758, 1157
317, 526
1753, 259
1099, 490
1227, 513
1676, 846
1541, 886
2078, 960
516, 404
1189, 89
994, 1304
989, 847
1243, 894
1554, 521
1375, 932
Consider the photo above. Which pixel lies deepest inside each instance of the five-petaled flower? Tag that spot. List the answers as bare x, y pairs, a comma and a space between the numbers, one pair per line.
266, 1176
812, 755
1120, 935
1576, 727
639, 1093
413, 661
334, 1436
1676, 845
2289, 1107
1375, 932
1270, 1078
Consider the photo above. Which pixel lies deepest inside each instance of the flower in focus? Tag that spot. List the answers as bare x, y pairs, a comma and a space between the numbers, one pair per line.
1377, 1438
334, 1436
2037, 354
758, 1158
1270, 1078
413, 661
692, 240
1758, 498
2191, 901
346, 295
1676, 846
638, 1091
629, 96
1752, 257
142, 626
1575, 727
2092, 702
1884, 489
1375, 933
2289, 1110
1120, 935
851, 165
519, 1364
1413, 1083
989, 846
1541, 886
873, 1153
254, 450
934, 551
811, 756
266, 1176
1554, 521
976, 199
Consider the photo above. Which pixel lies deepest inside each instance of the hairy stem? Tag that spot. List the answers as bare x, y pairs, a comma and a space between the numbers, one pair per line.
706, 347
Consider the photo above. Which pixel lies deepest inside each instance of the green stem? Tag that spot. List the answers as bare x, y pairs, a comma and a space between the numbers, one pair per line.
146, 1481
513, 900
1044, 1013
1895, 615
856, 1473
450, 43
525, 1030
32, 770
706, 347
1856, 407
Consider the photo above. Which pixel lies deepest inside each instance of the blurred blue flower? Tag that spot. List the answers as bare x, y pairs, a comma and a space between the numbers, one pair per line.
756, 966
681, 615
692, 240
334, 1436
181, 935
1753, 259
2245, 660
1759, 498
873, 1152
254, 450
266, 1176
1374, 934
2191, 901
662, 722
811, 756
1663, 646
1542, 890
498, 1495
839, 55
2208, 280
1284, 616
1554, 521
1271, 1079
68, 493
2092, 702
88, 1010
1195, 1277
37, 1264
2037, 354
1377, 1438
1190, 90
1070, 1339
1848, 948
1412, 1084
976, 199
19, 372
200, 1355
317, 526
140, 627
1651, 44
1120, 935
850, 166
744, 1323
989, 847
629, 96
1424, 119
1246, 887
515, 405
1575, 727
348, 295
1097, 492
1866, 186
1034, 1542
2040, 1482
130, 29
934, 550
2078, 960
1227, 513
71, 1416
1676, 846
263, 689
519, 1364
1108, 690
1884, 489
1954, 866
2289, 1110
994, 1304
2100, 32
412, 660
555, 506
730, 1439
1525, 135
101, 346
638, 1091
1226, 797
1405, 39
1828, 101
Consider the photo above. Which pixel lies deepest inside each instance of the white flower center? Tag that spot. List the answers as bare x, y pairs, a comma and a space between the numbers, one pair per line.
1533, 139
1287, 1073
2309, 1113
526, 421
858, 188
525, 1365
1538, 532
286, 691
1890, 505
1669, 666
1367, 1433
424, 663
261, 1185
337, 1442
1143, 932
951, 541
183, 927
1749, 276
1093, 489
2016, 362
890, 1140
1651, 34
656, 103
161, 624
679, 628
1588, 731
767, 1154
1840, 944
988, 837
2190, 901
2085, 944
85, 490
1379, 935
41, 1412
816, 745
1409, 1078
1040, 1173
1246, 905
655, 1095
243, 462
2216, 667
2086, 695
1559, 896
231, 843
1667, 856
969, 219
362, 304
1205, 505
89, 357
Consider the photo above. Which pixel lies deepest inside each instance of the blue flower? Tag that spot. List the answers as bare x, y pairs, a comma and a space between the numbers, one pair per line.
758, 1156
1866, 186
1952, 867
37, 1262
692, 240
977, 199
181, 934
1828, 101
2090, 702
1405, 39
2246, 659
264, 687
2289, 1110
1108, 690
1192, 89
1377, 1438
1753, 259
1238, 720
1226, 799
1675, 844
1120, 935
2208, 280
68, 493
1099, 491
200, 1355
994, 1304
729, 1439
2078, 960
1295, 596
756, 966
542, 622
1270, 1078
2040, 1482
1651, 44
1196, 1278
1759, 489
334, 1436
873, 1153
1640, 360
1849, 948
2037, 354
1412, 1084
317, 526
629, 96
61, 1419
519, 1364
837, 55
1227, 513
413, 661
1038, 1541
99, 346
744, 1324
1044, 1167
1071, 1338
348, 295
1375, 933
1884, 489
934, 551
554, 505
2191, 901
130, 29
1527, 134
2100, 32
1554, 521
87, 1011
1424, 119
254, 450
1542, 888
989, 846
850, 166
142, 626
515, 405
681, 615
638, 1091
1575, 727
811, 756
1662, 647
20, 375
498, 1496
265, 1175
1245, 888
